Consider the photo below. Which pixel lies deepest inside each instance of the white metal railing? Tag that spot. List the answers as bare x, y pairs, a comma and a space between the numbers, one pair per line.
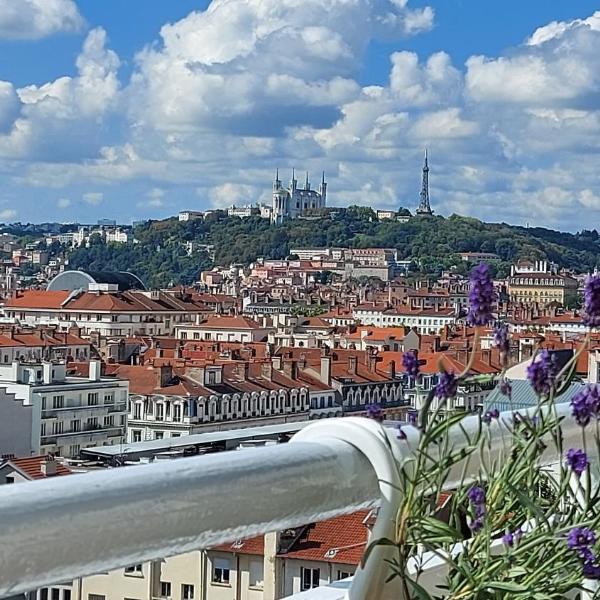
105, 520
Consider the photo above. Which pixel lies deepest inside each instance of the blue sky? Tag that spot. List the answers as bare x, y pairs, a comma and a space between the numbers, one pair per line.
142, 108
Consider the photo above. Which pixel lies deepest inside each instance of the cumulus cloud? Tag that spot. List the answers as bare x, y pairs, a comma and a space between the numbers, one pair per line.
7, 214
257, 66
32, 19
93, 198
60, 120
228, 194
228, 94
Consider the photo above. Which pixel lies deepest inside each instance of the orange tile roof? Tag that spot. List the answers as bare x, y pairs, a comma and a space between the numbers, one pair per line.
219, 322
31, 467
37, 299
254, 545
338, 540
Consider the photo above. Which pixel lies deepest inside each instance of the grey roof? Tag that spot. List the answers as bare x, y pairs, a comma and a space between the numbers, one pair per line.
523, 396
153, 447
80, 279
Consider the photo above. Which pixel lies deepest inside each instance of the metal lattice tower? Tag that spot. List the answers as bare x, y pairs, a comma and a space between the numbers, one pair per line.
424, 206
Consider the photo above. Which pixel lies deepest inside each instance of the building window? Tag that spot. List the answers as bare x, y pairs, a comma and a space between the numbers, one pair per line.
137, 410
92, 399
310, 578
109, 421
134, 570
96, 597
58, 401
220, 571
343, 575
256, 575
66, 594
57, 428
73, 452
159, 435
160, 412
136, 435
165, 589
187, 591
177, 413
92, 423
109, 399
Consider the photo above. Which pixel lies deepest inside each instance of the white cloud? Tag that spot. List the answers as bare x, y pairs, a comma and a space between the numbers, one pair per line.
7, 214
32, 19
227, 194
557, 29
230, 93
93, 198
155, 199
261, 65
60, 120
63, 203
9, 106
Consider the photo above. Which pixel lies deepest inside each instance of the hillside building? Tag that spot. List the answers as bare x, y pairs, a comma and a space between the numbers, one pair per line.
293, 202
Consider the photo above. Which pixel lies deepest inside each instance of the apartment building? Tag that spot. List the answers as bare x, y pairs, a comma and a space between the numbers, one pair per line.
170, 402
45, 411
224, 329
42, 343
425, 321
109, 313
262, 568
539, 282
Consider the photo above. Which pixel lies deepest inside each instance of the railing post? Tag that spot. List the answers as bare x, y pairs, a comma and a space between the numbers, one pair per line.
381, 447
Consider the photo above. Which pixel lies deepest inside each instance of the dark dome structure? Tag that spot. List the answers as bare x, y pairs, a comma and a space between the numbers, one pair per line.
82, 280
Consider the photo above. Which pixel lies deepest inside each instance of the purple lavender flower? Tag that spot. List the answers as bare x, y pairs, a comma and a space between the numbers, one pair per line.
542, 373
490, 415
591, 301
476, 495
501, 339
506, 388
447, 385
586, 404
577, 461
591, 571
581, 539
477, 524
508, 539
482, 296
375, 412
410, 363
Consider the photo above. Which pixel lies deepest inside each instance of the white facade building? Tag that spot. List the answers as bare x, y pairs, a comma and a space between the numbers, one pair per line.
424, 321
292, 202
52, 413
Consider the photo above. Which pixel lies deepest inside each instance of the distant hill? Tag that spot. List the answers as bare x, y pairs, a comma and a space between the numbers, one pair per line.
161, 256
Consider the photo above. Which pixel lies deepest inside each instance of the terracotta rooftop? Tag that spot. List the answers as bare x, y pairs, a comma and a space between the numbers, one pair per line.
31, 467
339, 540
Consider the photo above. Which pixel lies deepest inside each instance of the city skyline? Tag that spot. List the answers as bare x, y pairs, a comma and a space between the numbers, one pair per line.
195, 107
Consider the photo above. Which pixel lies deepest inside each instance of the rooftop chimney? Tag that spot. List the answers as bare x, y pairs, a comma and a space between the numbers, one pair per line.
164, 374
352, 364
95, 370
325, 373
49, 466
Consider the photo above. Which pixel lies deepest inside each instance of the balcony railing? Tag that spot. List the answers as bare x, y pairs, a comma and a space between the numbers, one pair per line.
113, 518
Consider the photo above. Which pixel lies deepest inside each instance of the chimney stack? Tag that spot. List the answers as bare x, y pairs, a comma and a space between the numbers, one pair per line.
164, 374
325, 374
49, 466
352, 364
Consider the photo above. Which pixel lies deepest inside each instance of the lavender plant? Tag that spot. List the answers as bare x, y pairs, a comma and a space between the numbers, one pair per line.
523, 518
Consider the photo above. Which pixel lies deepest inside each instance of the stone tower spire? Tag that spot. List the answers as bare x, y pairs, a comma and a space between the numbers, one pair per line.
424, 206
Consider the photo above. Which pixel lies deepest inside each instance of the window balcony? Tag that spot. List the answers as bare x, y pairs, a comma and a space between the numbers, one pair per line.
113, 518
